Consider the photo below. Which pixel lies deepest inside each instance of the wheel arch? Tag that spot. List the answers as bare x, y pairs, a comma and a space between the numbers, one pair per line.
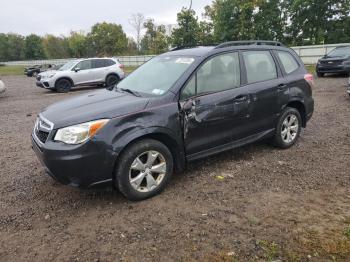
165, 138
299, 105
65, 77
112, 73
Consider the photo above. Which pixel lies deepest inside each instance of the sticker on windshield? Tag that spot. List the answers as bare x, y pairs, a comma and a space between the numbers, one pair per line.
157, 92
184, 60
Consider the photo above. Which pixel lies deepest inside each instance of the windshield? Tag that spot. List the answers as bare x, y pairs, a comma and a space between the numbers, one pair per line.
341, 51
67, 66
157, 76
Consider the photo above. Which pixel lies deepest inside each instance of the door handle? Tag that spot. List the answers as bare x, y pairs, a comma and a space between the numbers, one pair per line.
282, 86
240, 98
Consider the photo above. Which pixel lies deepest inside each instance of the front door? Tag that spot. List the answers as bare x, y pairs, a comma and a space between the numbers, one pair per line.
83, 73
213, 105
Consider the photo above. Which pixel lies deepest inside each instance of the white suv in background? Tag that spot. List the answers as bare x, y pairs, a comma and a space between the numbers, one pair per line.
2, 87
91, 71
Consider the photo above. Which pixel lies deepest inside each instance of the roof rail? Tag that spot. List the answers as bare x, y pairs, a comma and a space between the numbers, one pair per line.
191, 46
251, 42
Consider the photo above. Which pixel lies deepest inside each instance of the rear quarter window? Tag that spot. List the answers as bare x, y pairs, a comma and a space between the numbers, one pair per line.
288, 62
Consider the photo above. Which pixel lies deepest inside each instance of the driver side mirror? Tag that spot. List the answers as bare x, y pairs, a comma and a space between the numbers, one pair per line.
77, 69
188, 105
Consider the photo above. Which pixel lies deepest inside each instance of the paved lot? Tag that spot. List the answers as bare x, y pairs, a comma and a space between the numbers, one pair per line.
272, 204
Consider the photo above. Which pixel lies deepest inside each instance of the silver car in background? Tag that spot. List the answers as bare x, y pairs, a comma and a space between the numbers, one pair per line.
90, 71
348, 86
2, 87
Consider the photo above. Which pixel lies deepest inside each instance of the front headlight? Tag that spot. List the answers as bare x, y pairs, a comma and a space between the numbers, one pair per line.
78, 134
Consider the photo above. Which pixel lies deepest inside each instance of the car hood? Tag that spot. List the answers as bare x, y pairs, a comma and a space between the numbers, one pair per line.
330, 58
49, 72
92, 106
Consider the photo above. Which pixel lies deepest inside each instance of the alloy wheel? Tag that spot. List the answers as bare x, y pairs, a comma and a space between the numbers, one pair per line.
290, 128
147, 171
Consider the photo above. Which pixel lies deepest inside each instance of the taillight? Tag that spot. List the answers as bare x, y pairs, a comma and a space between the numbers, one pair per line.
121, 66
309, 78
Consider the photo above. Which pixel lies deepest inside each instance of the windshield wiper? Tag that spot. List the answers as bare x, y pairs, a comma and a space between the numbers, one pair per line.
135, 93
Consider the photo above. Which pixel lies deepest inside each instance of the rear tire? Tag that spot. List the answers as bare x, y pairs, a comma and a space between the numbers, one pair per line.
144, 169
63, 85
288, 128
112, 80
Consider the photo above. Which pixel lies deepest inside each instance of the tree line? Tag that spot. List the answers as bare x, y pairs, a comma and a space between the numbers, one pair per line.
293, 22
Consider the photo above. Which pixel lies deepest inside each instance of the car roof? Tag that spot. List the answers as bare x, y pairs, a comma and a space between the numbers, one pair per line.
236, 45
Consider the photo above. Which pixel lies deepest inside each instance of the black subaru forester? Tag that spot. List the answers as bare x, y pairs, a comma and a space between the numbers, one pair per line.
180, 106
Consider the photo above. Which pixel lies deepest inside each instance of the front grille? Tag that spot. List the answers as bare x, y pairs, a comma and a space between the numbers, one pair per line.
41, 135
38, 78
42, 129
332, 62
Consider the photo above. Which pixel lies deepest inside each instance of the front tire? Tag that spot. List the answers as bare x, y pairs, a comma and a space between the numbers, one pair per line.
63, 85
320, 74
144, 169
288, 128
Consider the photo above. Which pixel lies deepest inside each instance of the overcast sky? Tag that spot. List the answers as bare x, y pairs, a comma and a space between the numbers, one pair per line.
61, 16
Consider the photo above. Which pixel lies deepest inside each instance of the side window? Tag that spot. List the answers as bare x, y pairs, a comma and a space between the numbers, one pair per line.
84, 65
260, 66
190, 89
99, 63
288, 61
110, 62
219, 73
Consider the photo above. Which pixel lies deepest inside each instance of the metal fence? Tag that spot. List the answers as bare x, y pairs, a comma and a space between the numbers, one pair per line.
309, 55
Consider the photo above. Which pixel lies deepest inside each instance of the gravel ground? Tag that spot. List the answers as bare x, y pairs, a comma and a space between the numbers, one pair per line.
268, 204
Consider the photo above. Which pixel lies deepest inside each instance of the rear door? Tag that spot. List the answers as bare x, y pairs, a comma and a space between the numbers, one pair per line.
214, 106
100, 68
263, 83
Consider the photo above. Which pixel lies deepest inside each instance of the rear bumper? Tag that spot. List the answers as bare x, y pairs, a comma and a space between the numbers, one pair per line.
86, 166
309, 108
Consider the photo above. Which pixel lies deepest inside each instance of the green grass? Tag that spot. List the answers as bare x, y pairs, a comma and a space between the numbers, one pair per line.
129, 69
19, 70
311, 69
11, 70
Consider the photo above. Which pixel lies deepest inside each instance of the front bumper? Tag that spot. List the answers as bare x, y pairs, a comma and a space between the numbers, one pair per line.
86, 166
333, 69
45, 83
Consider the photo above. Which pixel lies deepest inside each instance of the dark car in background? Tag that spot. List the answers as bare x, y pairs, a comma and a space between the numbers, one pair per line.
37, 69
336, 61
180, 106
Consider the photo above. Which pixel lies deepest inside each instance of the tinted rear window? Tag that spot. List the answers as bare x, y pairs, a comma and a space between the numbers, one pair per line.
288, 61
